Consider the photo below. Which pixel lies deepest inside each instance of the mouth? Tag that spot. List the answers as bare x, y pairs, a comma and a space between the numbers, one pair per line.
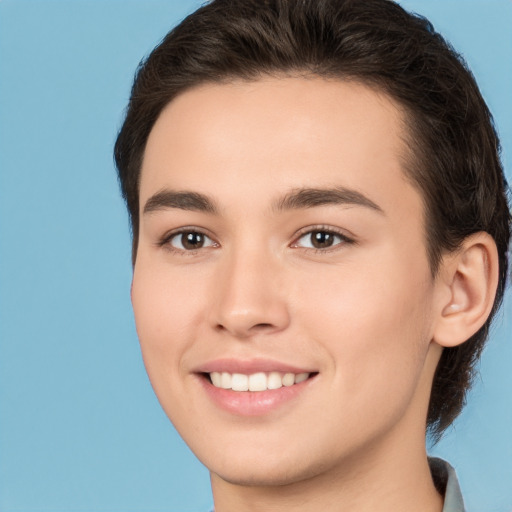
253, 390
256, 382
254, 387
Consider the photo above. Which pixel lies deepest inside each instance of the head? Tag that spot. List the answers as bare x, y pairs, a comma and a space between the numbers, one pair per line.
451, 150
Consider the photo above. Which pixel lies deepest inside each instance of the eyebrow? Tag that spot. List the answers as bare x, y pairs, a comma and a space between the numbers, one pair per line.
312, 197
297, 199
192, 201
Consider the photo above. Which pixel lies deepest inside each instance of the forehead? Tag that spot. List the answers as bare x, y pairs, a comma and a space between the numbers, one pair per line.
279, 133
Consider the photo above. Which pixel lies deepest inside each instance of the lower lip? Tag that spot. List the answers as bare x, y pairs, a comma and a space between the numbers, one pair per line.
253, 403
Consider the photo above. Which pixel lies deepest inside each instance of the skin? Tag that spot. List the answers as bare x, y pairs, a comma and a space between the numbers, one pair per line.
363, 313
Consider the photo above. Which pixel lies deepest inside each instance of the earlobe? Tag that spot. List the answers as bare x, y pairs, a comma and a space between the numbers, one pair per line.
468, 278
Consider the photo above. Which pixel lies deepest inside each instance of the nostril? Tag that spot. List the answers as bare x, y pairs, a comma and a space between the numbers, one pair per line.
262, 326
244, 332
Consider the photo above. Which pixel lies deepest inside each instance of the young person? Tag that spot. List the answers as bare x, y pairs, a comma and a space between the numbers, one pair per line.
320, 233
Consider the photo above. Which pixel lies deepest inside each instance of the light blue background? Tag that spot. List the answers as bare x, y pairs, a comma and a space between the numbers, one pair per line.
80, 428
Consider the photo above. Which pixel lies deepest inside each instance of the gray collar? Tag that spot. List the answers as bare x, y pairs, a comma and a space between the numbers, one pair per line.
447, 484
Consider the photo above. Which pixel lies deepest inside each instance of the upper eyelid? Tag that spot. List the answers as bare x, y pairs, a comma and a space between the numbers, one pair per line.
328, 229
345, 240
165, 242
166, 237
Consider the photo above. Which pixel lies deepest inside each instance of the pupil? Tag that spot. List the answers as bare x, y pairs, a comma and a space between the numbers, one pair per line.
192, 240
322, 239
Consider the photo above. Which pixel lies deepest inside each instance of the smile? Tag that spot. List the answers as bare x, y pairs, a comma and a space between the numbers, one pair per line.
259, 381
253, 388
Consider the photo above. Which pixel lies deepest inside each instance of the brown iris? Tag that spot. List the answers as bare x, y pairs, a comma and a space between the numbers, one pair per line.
322, 239
192, 240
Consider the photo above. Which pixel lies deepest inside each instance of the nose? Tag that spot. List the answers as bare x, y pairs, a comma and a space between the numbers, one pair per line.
250, 297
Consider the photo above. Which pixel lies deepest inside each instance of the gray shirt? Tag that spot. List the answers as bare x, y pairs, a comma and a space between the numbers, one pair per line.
447, 484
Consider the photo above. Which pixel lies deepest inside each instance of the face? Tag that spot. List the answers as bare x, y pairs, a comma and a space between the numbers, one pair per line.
282, 293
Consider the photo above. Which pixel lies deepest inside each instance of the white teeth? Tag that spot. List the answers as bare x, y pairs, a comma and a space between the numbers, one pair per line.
301, 377
239, 382
288, 379
274, 381
259, 381
216, 379
225, 380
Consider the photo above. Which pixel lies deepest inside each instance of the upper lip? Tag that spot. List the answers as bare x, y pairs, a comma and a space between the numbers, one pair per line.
249, 366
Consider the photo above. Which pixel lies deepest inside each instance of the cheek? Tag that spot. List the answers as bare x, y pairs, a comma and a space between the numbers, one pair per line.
366, 299
374, 326
166, 314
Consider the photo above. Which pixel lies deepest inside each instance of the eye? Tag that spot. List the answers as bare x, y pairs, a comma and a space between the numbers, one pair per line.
189, 241
321, 239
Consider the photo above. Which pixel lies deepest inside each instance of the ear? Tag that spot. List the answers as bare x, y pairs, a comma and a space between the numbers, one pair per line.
467, 282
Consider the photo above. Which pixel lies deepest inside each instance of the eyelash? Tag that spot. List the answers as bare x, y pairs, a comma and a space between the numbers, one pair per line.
165, 241
344, 239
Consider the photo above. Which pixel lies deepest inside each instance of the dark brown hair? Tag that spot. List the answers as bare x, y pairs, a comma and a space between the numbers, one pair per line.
453, 147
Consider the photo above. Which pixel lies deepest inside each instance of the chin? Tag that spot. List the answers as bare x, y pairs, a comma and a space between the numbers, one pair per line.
267, 470
266, 477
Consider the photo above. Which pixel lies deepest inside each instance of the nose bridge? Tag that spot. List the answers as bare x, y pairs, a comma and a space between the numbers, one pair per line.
249, 298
